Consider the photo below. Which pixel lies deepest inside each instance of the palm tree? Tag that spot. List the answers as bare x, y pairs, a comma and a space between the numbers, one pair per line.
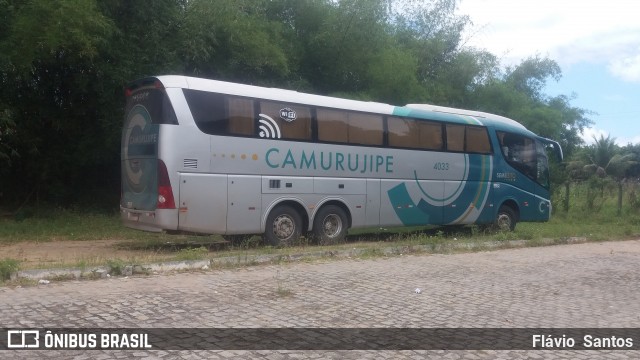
607, 161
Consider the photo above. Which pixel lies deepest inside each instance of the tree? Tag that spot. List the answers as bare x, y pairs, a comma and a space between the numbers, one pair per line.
49, 89
8, 153
64, 63
607, 161
233, 40
337, 51
392, 77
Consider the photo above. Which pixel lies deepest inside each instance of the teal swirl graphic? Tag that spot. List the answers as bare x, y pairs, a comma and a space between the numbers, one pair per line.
467, 206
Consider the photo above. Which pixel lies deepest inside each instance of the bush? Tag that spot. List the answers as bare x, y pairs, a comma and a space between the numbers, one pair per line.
8, 267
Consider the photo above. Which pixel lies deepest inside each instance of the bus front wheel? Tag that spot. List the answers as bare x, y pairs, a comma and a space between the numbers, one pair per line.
330, 225
284, 227
506, 219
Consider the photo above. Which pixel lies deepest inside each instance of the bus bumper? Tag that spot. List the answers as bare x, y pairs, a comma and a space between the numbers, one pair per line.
154, 221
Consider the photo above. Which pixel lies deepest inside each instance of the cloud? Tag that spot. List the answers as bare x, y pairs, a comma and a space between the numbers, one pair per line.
624, 141
626, 68
590, 133
568, 32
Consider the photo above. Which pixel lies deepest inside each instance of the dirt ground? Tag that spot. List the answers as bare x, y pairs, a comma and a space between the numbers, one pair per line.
69, 253
73, 253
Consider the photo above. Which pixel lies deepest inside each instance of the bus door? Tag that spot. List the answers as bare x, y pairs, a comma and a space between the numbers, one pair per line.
244, 204
202, 203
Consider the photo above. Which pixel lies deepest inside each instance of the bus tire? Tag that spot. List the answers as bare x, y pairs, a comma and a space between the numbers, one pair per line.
330, 225
505, 219
284, 227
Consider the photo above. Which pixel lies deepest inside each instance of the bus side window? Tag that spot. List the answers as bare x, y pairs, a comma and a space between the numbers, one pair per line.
403, 132
241, 115
296, 125
208, 110
217, 114
477, 140
414, 134
349, 127
455, 137
365, 129
332, 125
430, 135
168, 114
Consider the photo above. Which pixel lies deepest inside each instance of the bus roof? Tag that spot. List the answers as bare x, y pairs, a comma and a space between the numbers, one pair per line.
425, 111
497, 121
273, 94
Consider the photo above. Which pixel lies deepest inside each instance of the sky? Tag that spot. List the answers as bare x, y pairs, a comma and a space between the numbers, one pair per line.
596, 43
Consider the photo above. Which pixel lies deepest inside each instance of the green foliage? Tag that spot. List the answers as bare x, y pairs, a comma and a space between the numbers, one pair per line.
63, 65
8, 153
32, 224
116, 266
531, 75
7, 268
232, 40
392, 77
634, 199
74, 29
192, 253
574, 121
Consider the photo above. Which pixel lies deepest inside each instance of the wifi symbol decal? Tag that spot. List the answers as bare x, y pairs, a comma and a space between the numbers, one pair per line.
268, 127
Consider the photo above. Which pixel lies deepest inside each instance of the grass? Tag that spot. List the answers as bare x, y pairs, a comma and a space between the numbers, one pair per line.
116, 266
282, 290
192, 253
7, 268
60, 225
590, 221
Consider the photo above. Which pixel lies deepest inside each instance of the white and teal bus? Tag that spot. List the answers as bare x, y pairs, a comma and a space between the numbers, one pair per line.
215, 157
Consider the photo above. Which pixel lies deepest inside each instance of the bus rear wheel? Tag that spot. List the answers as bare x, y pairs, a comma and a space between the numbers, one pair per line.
284, 227
506, 219
330, 225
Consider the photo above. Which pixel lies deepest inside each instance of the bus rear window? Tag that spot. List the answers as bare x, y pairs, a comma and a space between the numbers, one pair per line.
157, 104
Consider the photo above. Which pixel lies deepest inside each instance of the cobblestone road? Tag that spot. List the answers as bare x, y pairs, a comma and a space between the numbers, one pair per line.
580, 285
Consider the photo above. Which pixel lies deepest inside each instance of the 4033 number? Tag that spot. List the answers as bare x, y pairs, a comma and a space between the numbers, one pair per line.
441, 166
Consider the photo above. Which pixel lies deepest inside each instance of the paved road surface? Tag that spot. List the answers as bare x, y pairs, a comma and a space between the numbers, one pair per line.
582, 285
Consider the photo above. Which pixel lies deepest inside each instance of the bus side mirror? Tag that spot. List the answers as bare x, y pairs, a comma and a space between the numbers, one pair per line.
557, 149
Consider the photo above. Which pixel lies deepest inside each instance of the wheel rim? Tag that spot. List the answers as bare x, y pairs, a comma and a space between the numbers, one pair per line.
283, 227
504, 221
332, 225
